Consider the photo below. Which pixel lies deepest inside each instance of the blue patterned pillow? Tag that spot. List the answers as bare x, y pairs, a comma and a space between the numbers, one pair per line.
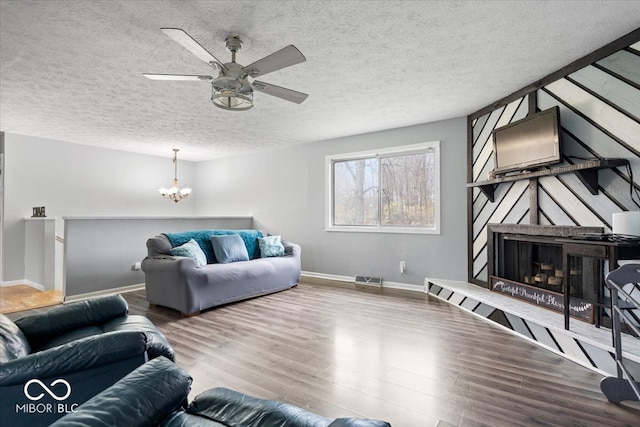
271, 246
192, 250
229, 248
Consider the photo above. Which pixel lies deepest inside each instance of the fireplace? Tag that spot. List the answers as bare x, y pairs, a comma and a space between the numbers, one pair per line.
529, 262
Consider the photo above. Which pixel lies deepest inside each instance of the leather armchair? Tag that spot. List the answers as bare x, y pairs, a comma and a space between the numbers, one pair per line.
54, 361
156, 394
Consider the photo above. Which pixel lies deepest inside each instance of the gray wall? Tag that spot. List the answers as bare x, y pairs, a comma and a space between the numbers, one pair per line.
100, 252
284, 192
79, 180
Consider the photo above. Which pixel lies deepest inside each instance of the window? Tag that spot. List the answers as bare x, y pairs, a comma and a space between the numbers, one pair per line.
392, 190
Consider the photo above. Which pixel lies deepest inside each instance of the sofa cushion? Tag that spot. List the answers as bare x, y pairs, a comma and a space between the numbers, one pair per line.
229, 248
13, 343
192, 250
271, 246
202, 237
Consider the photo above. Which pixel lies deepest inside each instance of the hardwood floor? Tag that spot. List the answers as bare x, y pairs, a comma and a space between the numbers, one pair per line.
22, 297
403, 357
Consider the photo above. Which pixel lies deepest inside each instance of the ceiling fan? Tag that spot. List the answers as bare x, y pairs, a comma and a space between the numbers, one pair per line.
231, 88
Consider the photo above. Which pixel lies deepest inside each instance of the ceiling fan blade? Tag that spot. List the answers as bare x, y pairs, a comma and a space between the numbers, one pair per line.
280, 92
176, 77
285, 57
186, 41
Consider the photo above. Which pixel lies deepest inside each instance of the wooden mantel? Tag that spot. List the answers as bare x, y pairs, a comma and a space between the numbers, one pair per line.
586, 171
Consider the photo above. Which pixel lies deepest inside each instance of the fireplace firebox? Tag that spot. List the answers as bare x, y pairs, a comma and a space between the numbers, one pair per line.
528, 262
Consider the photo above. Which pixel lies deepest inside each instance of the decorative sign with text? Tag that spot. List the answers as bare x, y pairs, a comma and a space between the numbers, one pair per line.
552, 300
38, 212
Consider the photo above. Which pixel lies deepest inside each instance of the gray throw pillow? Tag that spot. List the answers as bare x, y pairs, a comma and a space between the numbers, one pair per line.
229, 248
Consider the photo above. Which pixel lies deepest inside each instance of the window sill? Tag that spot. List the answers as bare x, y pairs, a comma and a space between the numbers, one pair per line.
374, 229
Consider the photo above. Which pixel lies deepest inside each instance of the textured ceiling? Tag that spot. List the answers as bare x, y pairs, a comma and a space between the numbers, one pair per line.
72, 70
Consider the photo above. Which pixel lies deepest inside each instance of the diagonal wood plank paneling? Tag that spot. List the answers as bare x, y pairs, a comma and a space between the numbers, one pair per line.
599, 112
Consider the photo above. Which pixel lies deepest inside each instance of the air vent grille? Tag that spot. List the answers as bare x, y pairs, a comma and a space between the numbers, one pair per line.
368, 280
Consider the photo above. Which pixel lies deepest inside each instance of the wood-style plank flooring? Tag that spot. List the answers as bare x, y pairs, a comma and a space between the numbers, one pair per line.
403, 357
23, 297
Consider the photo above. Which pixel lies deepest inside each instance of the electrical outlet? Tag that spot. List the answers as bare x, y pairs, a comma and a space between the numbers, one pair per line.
403, 267
137, 266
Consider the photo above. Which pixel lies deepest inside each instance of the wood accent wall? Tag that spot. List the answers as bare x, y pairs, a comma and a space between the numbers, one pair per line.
599, 101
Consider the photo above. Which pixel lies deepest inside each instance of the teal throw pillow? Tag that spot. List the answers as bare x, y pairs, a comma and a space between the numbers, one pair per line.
192, 250
271, 246
229, 248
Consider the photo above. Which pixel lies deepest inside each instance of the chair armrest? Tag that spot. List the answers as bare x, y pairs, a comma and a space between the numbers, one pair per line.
358, 422
75, 356
233, 408
145, 397
67, 317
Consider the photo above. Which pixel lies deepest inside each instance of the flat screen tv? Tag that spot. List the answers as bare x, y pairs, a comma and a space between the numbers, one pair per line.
528, 143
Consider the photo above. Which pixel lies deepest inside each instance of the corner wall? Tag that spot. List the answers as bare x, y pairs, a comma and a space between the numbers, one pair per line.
284, 191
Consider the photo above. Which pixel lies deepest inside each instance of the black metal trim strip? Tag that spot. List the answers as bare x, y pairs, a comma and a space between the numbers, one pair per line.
480, 207
473, 127
586, 353
553, 338
507, 213
562, 180
487, 141
631, 50
617, 170
590, 121
543, 213
541, 188
526, 325
616, 75
605, 100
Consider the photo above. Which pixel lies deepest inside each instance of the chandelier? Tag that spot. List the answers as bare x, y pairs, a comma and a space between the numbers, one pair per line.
175, 193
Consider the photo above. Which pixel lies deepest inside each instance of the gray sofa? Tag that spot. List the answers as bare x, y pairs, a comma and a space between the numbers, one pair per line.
178, 282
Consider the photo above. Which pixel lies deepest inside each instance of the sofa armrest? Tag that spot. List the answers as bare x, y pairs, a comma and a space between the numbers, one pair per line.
67, 317
291, 249
145, 397
163, 263
72, 357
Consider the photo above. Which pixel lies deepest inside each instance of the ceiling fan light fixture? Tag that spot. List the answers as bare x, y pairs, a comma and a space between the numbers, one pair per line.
231, 89
232, 101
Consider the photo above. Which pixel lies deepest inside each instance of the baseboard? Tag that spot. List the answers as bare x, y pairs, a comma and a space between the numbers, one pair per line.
113, 291
29, 283
323, 279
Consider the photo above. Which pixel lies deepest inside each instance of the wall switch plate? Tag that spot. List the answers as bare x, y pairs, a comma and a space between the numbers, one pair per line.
403, 267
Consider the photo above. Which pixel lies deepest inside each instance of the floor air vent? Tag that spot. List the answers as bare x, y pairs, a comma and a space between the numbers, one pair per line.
366, 280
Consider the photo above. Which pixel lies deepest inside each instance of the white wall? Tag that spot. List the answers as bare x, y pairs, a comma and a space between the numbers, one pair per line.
284, 191
79, 180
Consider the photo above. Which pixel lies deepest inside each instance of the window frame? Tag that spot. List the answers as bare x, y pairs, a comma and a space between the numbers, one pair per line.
378, 153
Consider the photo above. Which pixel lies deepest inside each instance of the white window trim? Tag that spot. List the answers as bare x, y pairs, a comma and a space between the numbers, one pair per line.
400, 150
